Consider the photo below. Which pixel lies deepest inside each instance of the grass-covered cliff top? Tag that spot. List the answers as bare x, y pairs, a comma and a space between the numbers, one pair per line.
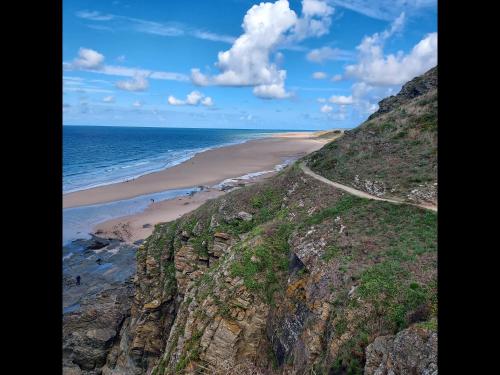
373, 262
393, 153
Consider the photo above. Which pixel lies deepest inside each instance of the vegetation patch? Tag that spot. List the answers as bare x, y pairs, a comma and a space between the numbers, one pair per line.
261, 266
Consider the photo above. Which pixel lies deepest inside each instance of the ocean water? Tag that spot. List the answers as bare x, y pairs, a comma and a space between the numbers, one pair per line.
95, 156
100, 155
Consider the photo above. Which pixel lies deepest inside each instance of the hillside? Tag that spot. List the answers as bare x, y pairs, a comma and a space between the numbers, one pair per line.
394, 152
291, 275
287, 276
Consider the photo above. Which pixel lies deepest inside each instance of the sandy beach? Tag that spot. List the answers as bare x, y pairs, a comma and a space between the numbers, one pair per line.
205, 169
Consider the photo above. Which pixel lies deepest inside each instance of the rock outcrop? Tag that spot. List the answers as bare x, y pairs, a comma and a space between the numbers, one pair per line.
306, 285
411, 351
287, 276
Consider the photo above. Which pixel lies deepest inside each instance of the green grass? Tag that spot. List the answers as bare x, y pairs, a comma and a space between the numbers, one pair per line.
261, 266
345, 203
330, 253
192, 351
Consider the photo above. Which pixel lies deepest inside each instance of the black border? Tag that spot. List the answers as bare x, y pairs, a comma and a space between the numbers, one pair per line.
34, 268
33, 262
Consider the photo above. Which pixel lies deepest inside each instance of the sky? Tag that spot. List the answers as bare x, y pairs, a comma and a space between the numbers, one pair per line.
302, 64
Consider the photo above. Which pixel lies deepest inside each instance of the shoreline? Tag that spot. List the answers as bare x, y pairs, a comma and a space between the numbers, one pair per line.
139, 226
209, 167
215, 171
182, 160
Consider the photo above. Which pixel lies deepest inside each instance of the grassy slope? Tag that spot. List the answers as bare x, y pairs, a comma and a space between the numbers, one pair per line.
391, 250
396, 147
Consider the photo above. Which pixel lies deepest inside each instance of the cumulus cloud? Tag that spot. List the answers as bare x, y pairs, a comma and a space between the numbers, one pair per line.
88, 59
108, 99
207, 101
320, 55
378, 75
315, 20
193, 98
319, 75
272, 91
265, 26
172, 100
138, 83
395, 69
326, 108
376, 69
341, 100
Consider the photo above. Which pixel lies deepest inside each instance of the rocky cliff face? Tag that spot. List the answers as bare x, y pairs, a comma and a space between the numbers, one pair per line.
394, 153
287, 276
290, 275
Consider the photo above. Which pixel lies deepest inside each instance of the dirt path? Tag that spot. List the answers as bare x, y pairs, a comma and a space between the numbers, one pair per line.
360, 193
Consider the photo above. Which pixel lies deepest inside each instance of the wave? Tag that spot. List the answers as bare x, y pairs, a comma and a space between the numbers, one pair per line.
156, 164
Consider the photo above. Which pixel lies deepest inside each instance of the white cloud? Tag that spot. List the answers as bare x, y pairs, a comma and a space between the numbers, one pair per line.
94, 15
384, 9
322, 54
378, 75
321, 100
337, 77
207, 101
247, 63
137, 104
193, 98
341, 100
319, 75
376, 69
172, 100
151, 27
88, 59
86, 89
315, 20
273, 91
326, 108
207, 35
266, 26
91, 61
137, 83
108, 99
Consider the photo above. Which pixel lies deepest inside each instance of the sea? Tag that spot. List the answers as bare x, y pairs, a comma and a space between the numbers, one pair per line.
101, 155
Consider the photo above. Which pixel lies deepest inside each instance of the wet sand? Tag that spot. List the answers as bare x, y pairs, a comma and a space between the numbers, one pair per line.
206, 168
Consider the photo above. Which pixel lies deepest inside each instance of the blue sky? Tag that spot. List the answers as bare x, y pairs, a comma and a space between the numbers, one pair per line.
309, 64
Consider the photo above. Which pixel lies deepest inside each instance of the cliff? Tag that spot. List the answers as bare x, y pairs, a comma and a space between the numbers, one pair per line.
293, 276
283, 277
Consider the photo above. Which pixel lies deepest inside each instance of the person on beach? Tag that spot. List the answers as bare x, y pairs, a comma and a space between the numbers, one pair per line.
98, 261
78, 280
152, 200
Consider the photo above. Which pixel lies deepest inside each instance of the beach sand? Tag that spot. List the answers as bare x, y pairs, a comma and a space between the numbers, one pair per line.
205, 169
140, 226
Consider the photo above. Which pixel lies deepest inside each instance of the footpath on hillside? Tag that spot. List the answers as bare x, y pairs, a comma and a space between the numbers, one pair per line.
360, 193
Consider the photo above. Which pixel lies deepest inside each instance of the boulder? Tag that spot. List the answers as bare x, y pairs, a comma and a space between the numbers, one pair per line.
410, 351
245, 216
